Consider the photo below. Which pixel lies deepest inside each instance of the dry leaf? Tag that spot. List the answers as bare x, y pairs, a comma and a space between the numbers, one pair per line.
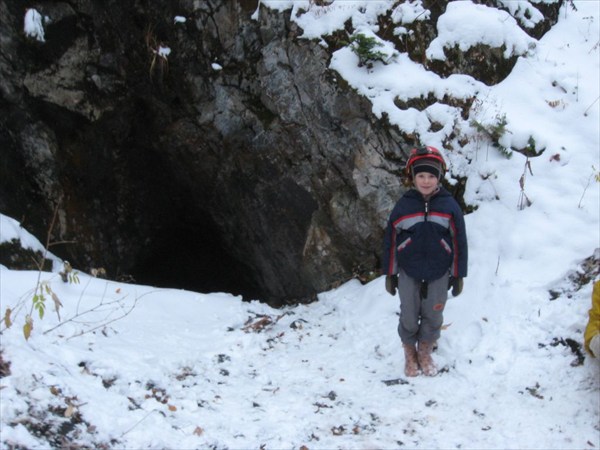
28, 327
258, 325
528, 166
557, 104
7, 320
338, 431
57, 303
54, 390
69, 411
198, 431
172, 408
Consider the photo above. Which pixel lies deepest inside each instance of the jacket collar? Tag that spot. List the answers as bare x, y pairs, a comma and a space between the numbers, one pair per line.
414, 193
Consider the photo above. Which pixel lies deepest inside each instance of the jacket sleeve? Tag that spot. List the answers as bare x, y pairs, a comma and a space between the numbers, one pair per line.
389, 265
593, 325
462, 245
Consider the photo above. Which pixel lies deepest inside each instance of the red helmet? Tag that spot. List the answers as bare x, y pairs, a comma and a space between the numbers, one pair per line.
425, 152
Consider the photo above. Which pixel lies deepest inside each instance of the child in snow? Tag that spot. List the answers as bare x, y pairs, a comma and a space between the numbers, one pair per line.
592, 330
425, 254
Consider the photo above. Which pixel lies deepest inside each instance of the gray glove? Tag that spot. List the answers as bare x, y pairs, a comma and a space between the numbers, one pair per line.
391, 283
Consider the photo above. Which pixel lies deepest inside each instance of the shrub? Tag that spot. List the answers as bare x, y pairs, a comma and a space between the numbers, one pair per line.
494, 132
365, 48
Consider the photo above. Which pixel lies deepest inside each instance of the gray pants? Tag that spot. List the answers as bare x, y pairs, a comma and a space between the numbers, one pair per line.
421, 317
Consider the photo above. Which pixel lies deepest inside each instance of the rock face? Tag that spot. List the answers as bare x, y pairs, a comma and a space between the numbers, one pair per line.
213, 153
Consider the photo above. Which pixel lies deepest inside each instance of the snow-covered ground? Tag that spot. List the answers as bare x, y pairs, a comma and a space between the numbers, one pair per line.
129, 366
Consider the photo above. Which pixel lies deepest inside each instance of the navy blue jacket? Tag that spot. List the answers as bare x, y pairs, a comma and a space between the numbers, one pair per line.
426, 239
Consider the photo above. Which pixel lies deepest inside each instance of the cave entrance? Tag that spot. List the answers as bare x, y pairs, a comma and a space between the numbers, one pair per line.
190, 254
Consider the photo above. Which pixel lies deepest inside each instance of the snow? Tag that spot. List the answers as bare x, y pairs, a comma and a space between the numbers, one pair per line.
461, 26
33, 25
143, 367
163, 52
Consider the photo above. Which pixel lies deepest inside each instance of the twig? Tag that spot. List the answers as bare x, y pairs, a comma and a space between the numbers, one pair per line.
103, 322
83, 291
588, 108
40, 264
18, 307
61, 243
137, 423
523, 199
587, 185
125, 314
81, 314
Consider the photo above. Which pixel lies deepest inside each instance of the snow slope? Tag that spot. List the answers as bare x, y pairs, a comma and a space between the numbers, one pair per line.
133, 367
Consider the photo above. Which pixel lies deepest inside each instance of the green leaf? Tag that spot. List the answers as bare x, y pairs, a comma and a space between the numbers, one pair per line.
39, 305
74, 278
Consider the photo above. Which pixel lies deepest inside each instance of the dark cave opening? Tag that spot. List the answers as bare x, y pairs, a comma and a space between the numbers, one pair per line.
190, 254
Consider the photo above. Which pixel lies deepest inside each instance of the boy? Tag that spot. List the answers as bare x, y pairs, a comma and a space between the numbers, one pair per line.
425, 253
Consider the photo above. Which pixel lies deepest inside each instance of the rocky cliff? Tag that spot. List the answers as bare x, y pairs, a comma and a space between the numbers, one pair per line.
191, 144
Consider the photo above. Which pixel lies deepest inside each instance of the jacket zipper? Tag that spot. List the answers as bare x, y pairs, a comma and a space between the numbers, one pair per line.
424, 284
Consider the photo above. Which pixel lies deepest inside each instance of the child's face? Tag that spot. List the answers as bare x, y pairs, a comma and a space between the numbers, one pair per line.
426, 183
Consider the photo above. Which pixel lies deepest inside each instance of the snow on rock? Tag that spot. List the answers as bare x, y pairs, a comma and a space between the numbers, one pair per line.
33, 25
465, 24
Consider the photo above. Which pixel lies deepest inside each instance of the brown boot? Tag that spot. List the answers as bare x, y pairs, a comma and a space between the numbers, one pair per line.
411, 366
425, 361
